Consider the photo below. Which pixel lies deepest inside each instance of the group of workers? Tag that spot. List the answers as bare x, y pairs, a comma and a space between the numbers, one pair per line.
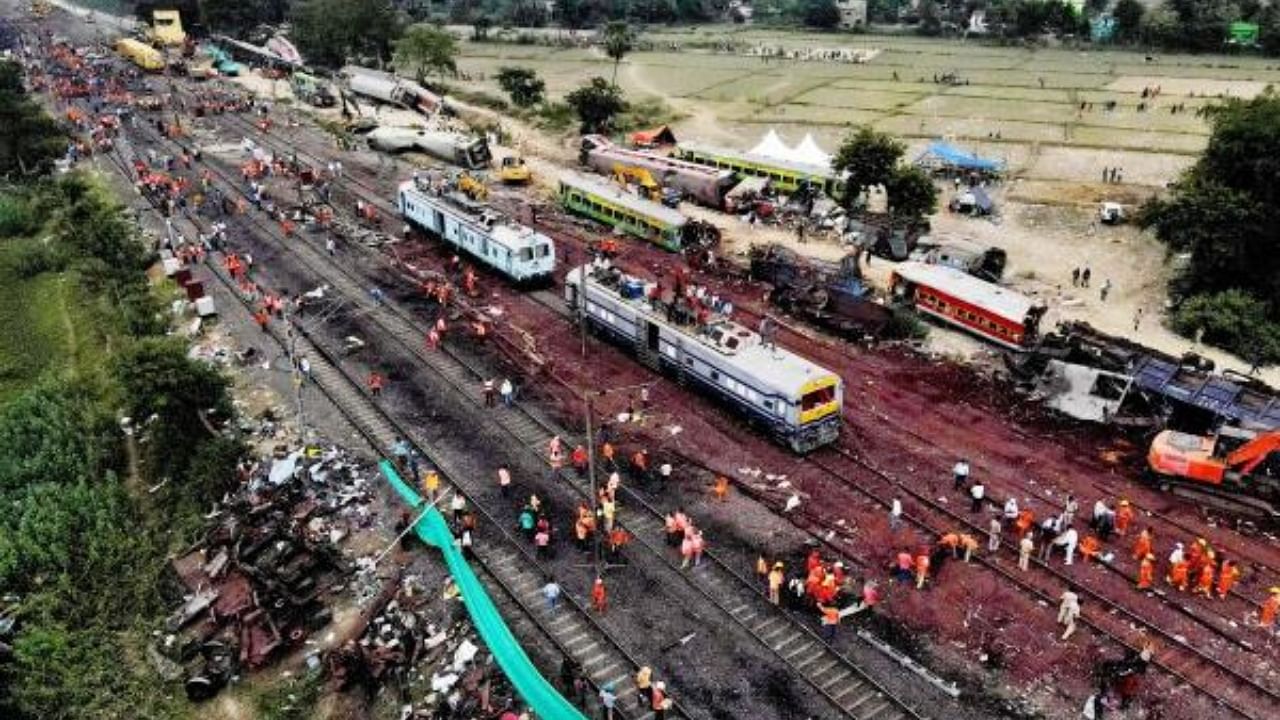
1198, 569
824, 587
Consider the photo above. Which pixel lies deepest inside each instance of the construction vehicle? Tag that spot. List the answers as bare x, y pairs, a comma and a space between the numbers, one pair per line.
648, 188
1111, 213
1241, 464
473, 187
140, 54
514, 171
166, 29
312, 90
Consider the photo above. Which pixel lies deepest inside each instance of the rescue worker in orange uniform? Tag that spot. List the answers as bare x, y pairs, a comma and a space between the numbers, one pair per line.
969, 544
1179, 574
579, 460
1227, 576
1142, 546
598, 598
1267, 614
1204, 581
1024, 521
951, 541
1146, 572
922, 568
1195, 555
721, 488
1090, 547
1124, 516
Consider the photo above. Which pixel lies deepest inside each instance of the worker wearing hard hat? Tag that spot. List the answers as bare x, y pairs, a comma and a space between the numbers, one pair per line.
1267, 615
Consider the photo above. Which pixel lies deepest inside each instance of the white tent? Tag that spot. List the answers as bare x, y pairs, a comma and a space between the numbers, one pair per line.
772, 147
809, 152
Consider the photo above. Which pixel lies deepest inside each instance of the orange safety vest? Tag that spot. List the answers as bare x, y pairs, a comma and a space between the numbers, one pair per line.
1267, 616
1142, 546
1178, 575
1227, 578
1146, 571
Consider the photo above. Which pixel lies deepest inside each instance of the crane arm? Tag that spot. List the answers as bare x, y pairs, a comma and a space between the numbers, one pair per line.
1248, 456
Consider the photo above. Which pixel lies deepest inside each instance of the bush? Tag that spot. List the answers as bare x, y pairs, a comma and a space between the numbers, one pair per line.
1233, 321
16, 217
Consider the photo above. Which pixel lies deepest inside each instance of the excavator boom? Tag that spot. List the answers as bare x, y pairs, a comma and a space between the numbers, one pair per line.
1249, 456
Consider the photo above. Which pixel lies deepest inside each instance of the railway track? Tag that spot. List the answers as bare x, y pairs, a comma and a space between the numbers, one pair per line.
512, 574
1114, 623
531, 436
833, 675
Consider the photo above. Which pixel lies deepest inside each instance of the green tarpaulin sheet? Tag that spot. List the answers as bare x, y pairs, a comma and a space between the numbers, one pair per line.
541, 696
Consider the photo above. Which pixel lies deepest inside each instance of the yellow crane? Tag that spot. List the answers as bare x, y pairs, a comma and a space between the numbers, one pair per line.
627, 174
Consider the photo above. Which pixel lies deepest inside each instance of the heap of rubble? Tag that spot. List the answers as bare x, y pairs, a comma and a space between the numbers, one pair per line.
258, 582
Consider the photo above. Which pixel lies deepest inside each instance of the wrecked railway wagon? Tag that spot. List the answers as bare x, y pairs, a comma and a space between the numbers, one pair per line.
994, 313
795, 400
830, 296
635, 216
704, 185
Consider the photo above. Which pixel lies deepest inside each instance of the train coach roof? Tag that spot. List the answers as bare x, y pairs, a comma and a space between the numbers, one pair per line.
792, 165
962, 286
504, 231
615, 195
771, 369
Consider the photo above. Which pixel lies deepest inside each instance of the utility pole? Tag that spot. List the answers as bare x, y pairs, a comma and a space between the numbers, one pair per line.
591, 478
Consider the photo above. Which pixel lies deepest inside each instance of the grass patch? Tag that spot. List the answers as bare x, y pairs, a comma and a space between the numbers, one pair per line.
39, 319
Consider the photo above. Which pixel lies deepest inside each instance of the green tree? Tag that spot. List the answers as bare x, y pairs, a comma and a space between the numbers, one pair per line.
597, 103
480, 32
1128, 15
236, 17
31, 140
912, 194
329, 32
1223, 215
522, 84
868, 157
426, 48
1232, 320
185, 396
821, 14
618, 41
571, 13
55, 432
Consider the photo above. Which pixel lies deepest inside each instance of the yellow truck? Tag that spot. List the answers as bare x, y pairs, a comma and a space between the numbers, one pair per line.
140, 54
166, 29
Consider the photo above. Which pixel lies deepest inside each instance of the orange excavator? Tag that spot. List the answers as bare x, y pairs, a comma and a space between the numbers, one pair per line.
1238, 463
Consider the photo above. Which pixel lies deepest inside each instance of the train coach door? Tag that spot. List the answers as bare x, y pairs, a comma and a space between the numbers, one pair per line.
438, 218
651, 341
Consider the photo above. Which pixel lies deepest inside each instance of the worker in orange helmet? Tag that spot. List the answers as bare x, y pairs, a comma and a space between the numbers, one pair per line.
1195, 555
1204, 581
1227, 576
1267, 614
1142, 546
1146, 572
1124, 516
1179, 574
598, 598
922, 568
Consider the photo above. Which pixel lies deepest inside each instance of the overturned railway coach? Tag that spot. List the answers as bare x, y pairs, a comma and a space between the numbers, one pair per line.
633, 215
797, 401
519, 253
704, 185
994, 313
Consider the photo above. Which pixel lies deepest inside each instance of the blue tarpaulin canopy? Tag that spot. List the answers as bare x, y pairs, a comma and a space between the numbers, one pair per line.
944, 155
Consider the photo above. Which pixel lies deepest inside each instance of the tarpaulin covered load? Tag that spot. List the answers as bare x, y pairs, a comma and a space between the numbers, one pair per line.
944, 155
541, 696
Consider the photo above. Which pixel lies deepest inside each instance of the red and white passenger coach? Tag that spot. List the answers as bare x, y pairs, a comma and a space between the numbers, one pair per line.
995, 313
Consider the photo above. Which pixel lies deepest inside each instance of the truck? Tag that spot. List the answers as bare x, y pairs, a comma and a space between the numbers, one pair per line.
1235, 468
166, 29
312, 90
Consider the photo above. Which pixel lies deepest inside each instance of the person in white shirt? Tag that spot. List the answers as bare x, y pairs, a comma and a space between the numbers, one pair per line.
961, 473
1068, 611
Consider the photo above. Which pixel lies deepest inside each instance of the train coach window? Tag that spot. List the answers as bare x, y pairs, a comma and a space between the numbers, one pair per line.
526, 253
817, 398
768, 405
544, 250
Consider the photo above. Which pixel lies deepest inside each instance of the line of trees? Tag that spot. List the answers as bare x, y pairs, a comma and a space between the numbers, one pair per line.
1223, 214
84, 545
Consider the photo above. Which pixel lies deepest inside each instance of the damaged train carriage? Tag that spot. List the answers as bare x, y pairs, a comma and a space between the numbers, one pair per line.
797, 401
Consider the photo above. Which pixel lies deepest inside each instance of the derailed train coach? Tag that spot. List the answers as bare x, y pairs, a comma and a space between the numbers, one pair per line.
797, 402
